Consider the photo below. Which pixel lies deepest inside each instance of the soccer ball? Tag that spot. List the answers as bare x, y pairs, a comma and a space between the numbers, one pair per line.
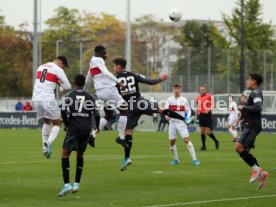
175, 14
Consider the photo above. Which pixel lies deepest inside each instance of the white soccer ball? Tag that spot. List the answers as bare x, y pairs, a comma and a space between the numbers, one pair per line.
175, 14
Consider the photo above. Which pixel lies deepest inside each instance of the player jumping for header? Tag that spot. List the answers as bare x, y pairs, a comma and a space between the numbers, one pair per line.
181, 106
48, 76
137, 104
106, 90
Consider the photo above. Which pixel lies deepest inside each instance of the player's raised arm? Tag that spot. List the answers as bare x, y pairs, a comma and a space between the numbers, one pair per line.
142, 79
106, 72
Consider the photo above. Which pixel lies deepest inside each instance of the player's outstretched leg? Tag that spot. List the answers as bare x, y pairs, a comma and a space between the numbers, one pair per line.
191, 150
250, 160
233, 132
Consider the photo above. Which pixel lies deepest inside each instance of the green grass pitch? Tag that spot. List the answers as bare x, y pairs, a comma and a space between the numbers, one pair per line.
28, 179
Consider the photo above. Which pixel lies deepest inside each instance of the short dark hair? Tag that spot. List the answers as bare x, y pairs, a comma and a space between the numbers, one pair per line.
79, 80
256, 77
63, 59
99, 49
120, 61
176, 85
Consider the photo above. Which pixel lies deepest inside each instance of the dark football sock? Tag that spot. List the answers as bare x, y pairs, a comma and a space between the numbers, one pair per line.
65, 169
173, 114
212, 136
203, 140
129, 142
248, 158
79, 168
256, 162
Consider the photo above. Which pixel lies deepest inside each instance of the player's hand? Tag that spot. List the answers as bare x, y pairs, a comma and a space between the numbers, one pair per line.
240, 107
59, 82
167, 118
164, 77
122, 86
65, 128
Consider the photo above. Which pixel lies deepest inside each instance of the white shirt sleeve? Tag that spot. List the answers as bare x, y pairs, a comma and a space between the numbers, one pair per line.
187, 108
105, 71
65, 84
88, 80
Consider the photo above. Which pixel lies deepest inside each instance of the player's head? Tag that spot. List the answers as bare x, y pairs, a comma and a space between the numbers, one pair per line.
202, 90
100, 51
243, 99
176, 90
62, 61
79, 81
254, 80
119, 64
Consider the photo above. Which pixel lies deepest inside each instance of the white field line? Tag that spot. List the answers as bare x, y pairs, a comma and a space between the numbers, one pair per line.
213, 201
43, 160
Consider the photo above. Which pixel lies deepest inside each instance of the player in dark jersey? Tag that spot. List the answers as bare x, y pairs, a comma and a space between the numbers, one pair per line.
252, 114
77, 109
137, 105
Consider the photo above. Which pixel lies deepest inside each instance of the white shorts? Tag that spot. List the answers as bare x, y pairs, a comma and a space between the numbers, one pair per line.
111, 97
178, 127
46, 109
232, 121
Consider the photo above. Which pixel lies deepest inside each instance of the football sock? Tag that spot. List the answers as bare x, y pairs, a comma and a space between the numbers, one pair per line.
103, 122
129, 142
173, 114
45, 132
79, 168
248, 158
122, 126
53, 134
191, 149
203, 140
174, 152
256, 161
212, 136
233, 132
65, 169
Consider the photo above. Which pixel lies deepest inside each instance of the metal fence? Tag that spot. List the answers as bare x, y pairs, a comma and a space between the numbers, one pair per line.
216, 68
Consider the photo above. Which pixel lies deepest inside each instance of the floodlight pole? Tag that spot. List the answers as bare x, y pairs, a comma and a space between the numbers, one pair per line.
242, 78
128, 36
35, 42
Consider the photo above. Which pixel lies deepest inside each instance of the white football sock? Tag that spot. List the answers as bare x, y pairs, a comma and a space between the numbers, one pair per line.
255, 167
232, 132
191, 149
45, 132
122, 126
235, 133
102, 124
174, 152
53, 134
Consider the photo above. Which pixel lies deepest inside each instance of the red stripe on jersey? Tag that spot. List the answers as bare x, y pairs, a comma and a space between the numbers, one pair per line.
49, 77
95, 71
176, 108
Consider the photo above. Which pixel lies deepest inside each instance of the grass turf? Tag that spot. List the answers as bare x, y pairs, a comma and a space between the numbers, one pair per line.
29, 179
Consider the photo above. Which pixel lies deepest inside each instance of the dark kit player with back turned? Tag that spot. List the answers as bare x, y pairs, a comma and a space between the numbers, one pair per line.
133, 96
252, 126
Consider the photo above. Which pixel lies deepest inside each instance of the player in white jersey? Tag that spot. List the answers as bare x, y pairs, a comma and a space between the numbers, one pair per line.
180, 105
105, 84
48, 76
233, 118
